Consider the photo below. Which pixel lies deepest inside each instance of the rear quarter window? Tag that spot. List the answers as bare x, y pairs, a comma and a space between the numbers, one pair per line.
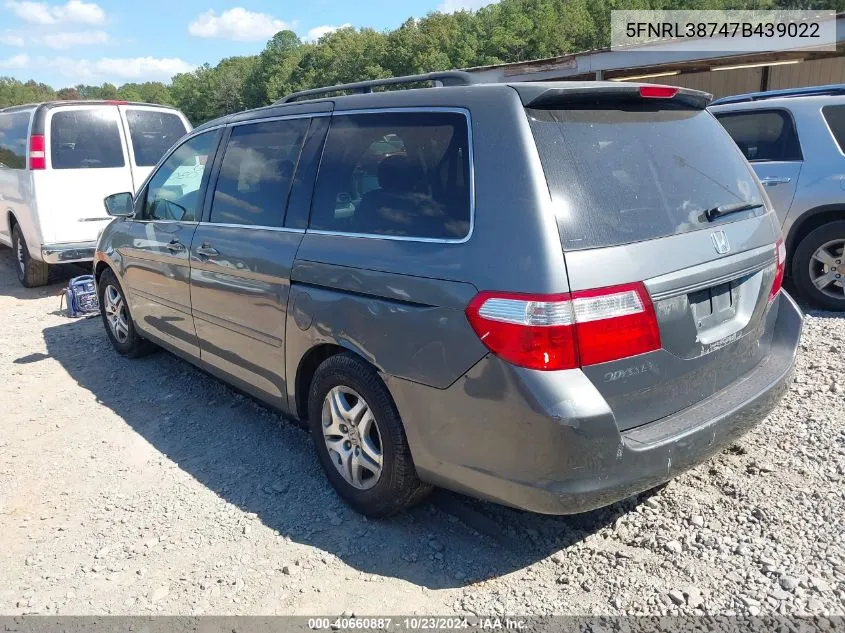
85, 139
14, 128
153, 132
401, 174
765, 135
835, 117
627, 173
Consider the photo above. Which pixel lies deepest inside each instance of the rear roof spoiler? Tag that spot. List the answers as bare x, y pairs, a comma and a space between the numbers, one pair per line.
548, 95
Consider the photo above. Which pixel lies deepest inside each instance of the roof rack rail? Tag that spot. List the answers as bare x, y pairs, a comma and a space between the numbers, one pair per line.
812, 91
445, 78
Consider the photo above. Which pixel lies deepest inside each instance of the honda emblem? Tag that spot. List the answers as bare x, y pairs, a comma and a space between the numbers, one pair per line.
720, 242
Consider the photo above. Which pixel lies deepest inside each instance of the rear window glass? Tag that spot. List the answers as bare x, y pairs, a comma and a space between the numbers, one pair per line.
763, 135
399, 173
627, 174
835, 117
153, 132
13, 133
85, 139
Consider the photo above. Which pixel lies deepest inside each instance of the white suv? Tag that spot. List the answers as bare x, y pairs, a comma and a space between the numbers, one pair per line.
57, 162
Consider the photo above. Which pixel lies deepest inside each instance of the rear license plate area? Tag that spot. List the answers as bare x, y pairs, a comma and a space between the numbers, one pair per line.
714, 305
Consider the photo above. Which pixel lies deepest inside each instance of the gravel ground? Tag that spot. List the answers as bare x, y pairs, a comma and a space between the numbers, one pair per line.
137, 487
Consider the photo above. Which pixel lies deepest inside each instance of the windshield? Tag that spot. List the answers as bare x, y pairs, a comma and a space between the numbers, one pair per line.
626, 174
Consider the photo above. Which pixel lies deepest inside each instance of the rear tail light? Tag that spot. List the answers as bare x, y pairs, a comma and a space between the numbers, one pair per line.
777, 284
37, 155
568, 330
658, 92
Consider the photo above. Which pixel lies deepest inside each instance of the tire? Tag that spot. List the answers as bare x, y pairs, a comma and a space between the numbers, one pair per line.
805, 267
31, 272
396, 487
124, 338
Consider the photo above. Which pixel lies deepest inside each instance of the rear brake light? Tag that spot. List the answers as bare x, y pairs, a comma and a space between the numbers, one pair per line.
116, 102
777, 284
615, 323
37, 156
658, 92
568, 330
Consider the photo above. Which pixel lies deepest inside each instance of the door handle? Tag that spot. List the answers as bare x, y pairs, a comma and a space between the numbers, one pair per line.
206, 250
772, 181
175, 246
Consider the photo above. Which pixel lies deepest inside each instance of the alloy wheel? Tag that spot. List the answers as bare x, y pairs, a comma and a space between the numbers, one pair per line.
116, 314
827, 269
352, 437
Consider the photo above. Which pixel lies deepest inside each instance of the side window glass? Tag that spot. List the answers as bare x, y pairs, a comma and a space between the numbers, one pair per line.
399, 174
835, 117
256, 173
764, 135
13, 133
173, 191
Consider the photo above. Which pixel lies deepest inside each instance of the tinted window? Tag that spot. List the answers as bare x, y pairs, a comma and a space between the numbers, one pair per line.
13, 134
256, 172
625, 175
835, 117
153, 133
399, 173
765, 135
173, 191
85, 139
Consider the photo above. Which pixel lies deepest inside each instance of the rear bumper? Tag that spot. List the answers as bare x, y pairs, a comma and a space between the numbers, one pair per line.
68, 252
547, 441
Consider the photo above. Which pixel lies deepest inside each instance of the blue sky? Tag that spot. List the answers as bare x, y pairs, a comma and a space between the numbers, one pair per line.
66, 42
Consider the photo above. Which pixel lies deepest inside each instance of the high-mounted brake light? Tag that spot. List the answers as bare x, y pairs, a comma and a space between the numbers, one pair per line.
116, 102
566, 331
777, 284
658, 92
37, 155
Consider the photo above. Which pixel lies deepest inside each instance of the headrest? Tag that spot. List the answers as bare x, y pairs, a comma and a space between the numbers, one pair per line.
396, 174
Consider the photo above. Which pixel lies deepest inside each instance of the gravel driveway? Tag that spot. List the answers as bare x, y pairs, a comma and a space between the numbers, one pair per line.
146, 486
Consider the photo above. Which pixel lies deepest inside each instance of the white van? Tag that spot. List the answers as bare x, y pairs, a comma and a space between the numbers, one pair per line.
58, 160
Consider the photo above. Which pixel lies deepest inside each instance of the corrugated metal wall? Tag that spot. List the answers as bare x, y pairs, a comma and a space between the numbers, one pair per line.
724, 83
812, 73
718, 83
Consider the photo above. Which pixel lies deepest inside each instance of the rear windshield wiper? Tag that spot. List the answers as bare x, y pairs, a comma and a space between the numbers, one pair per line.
727, 209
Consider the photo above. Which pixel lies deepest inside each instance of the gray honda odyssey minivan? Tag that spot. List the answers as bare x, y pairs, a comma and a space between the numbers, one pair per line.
549, 295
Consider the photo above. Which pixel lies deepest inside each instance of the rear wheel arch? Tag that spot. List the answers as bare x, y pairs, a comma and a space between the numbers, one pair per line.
307, 367
808, 222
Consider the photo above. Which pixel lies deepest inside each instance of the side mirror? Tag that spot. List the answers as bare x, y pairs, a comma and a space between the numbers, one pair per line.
119, 205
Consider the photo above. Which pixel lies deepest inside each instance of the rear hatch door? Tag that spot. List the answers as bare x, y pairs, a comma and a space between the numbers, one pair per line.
632, 180
86, 161
151, 131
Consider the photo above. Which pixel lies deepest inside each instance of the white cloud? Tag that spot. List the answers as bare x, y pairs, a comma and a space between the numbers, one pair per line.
42, 13
60, 41
131, 68
17, 61
12, 39
319, 31
451, 6
117, 70
236, 24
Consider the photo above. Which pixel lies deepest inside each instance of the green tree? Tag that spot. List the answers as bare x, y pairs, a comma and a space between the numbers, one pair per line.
67, 94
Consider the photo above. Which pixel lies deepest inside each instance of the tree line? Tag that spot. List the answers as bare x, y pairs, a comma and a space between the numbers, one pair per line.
508, 31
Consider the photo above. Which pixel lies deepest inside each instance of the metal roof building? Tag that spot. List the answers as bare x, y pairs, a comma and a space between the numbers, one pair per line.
708, 69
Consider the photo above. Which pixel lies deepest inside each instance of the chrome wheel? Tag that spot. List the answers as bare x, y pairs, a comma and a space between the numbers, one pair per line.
352, 437
116, 314
827, 269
